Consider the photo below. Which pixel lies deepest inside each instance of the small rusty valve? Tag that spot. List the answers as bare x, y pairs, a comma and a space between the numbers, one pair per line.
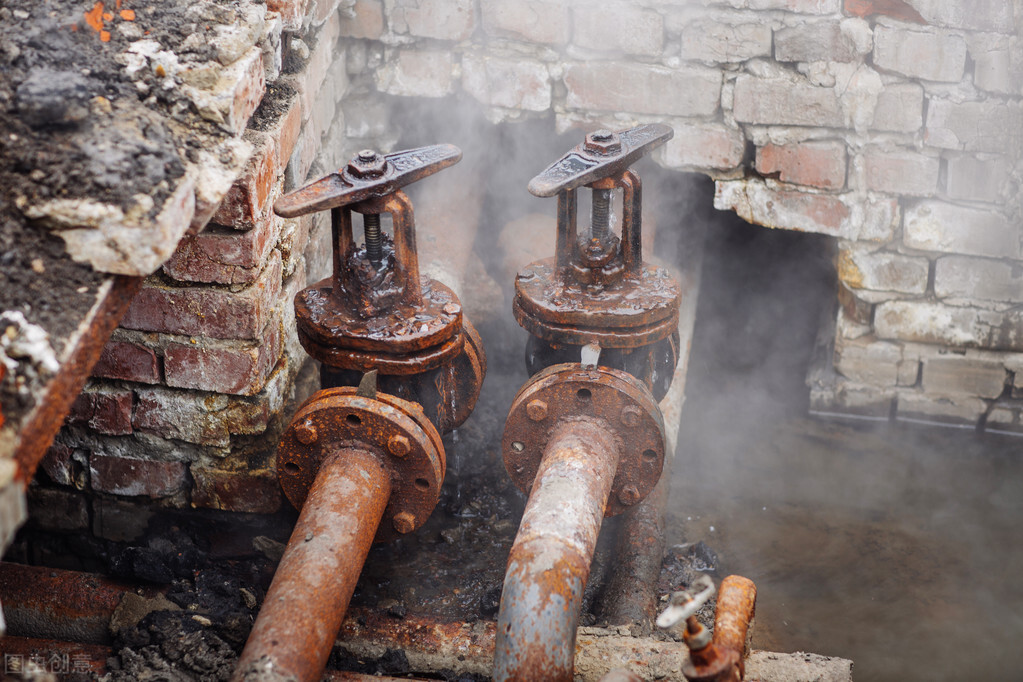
597, 289
376, 312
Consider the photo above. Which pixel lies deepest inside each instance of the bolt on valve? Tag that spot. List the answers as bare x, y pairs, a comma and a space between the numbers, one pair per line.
376, 312
596, 288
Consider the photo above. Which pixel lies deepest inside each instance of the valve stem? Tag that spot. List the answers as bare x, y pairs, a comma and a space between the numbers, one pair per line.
600, 215
374, 238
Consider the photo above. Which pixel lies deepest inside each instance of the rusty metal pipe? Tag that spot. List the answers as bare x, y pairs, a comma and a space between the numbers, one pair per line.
298, 623
550, 559
737, 599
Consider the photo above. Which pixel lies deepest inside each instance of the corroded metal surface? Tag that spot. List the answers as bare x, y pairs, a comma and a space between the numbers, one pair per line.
621, 675
298, 622
37, 431
376, 312
568, 392
390, 309
737, 600
447, 394
355, 182
395, 430
596, 288
550, 560
598, 158
57, 604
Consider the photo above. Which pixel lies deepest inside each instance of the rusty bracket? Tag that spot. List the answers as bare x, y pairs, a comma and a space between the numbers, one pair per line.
368, 176
602, 155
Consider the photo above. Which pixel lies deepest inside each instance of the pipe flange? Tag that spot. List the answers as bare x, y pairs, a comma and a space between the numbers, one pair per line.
428, 327
396, 430
622, 405
639, 310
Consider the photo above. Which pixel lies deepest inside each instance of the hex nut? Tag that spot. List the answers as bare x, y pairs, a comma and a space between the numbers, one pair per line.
629, 495
306, 433
404, 522
398, 445
367, 164
536, 410
630, 416
603, 142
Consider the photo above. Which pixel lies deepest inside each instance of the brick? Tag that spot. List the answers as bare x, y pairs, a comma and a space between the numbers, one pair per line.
785, 102
441, 19
998, 71
814, 163
962, 277
119, 521
867, 361
306, 147
930, 56
323, 57
237, 368
976, 179
294, 237
901, 172
513, 84
619, 27
618, 87
247, 202
106, 409
238, 91
862, 268
974, 126
53, 509
136, 477
854, 309
318, 253
284, 129
897, 9
705, 146
850, 217
941, 226
205, 311
254, 492
720, 43
418, 73
817, 41
292, 12
937, 323
957, 374
849, 397
900, 108
364, 20
1004, 420
321, 10
182, 415
63, 464
224, 256
930, 409
127, 361
270, 44
538, 21
976, 15
801, 6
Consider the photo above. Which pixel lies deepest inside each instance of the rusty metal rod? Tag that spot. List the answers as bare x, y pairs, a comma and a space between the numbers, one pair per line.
298, 623
737, 599
550, 558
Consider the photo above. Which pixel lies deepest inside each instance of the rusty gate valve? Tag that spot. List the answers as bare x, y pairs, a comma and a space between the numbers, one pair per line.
572, 393
376, 312
597, 289
348, 420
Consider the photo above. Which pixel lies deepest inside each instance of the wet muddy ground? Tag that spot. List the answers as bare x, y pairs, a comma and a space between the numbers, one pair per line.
895, 546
